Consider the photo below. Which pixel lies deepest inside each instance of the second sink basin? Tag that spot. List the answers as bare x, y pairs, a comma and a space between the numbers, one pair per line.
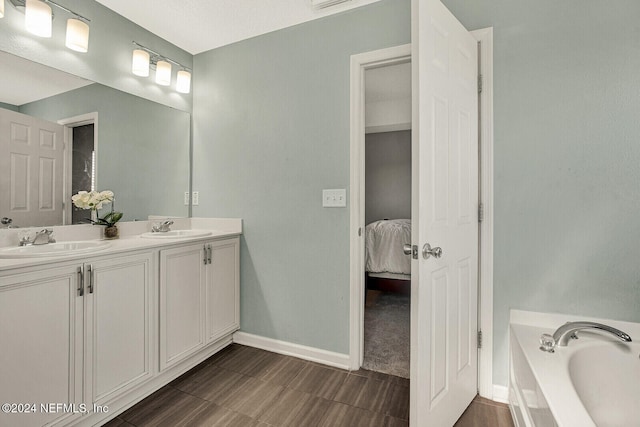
176, 234
53, 249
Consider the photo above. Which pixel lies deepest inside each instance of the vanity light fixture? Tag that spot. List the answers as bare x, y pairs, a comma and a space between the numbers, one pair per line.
183, 82
38, 18
145, 58
163, 73
140, 64
77, 35
1, 8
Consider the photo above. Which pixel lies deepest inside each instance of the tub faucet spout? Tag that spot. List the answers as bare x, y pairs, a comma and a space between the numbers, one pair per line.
567, 331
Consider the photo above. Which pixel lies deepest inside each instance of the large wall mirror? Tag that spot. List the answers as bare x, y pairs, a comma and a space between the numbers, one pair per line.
60, 134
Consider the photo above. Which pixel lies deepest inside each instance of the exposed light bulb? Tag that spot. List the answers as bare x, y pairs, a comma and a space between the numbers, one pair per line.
77, 35
163, 73
37, 18
183, 83
1, 8
140, 65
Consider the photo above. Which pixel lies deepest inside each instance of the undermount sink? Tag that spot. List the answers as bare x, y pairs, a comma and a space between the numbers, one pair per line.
175, 234
53, 249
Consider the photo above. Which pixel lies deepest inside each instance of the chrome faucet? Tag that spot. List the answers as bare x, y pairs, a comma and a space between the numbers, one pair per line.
42, 238
569, 331
162, 227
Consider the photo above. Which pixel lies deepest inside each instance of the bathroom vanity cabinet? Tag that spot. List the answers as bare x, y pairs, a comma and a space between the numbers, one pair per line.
79, 333
199, 297
101, 333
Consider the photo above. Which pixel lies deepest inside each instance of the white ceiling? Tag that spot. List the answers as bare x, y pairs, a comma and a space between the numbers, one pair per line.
388, 83
200, 25
31, 81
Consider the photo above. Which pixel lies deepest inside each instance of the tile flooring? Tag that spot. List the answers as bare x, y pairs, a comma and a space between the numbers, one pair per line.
244, 386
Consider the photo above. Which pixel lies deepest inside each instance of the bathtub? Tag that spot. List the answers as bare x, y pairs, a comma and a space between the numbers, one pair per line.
592, 382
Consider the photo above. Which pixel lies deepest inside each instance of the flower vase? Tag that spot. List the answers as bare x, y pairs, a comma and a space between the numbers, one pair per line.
111, 232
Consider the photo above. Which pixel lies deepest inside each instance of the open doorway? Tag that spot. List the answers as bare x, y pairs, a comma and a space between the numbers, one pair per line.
81, 163
82, 168
387, 212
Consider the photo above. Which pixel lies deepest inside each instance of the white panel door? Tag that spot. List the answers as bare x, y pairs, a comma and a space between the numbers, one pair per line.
119, 315
445, 199
223, 288
31, 169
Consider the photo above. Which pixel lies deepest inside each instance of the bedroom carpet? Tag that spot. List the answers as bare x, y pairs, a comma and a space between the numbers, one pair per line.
387, 333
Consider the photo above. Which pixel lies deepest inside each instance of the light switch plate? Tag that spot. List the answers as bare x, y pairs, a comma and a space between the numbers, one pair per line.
186, 198
334, 198
195, 198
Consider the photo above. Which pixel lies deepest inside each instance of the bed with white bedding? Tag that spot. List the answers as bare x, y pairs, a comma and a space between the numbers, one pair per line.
384, 256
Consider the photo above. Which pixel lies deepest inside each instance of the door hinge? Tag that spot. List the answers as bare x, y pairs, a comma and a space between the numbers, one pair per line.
479, 83
479, 339
480, 212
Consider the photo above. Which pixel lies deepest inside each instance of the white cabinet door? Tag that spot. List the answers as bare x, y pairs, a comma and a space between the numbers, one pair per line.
40, 344
182, 302
223, 288
119, 318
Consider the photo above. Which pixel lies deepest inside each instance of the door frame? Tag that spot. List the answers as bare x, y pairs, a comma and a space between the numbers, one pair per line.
359, 64
398, 55
69, 124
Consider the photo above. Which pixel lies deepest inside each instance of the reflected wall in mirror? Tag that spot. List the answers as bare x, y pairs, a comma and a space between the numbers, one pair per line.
60, 134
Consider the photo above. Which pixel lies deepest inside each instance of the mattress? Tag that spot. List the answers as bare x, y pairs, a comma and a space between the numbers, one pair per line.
384, 241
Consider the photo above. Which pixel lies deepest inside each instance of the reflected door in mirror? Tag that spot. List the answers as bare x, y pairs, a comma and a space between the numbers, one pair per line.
31, 169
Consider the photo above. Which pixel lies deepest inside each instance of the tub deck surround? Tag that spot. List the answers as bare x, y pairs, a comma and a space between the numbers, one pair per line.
129, 240
541, 384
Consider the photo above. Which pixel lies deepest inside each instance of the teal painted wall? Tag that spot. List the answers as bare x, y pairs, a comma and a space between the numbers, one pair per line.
9, 106
271, 130
108, 60
567, 158
143, 147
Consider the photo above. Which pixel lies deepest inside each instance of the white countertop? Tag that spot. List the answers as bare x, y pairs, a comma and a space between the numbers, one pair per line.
129, 240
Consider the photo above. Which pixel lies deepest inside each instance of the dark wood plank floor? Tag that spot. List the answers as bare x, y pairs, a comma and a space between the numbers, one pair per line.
485, 413
243, 386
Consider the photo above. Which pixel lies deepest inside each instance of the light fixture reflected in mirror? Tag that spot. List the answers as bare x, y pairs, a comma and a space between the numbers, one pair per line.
183, 82
163, 73
145, 58
140, 64
37, 18
77, 35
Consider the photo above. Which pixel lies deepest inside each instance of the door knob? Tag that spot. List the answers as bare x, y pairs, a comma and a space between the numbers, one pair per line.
410, 250
427, 251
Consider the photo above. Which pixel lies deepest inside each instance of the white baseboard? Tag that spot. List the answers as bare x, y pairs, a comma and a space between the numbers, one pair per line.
337, 360
500, 393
